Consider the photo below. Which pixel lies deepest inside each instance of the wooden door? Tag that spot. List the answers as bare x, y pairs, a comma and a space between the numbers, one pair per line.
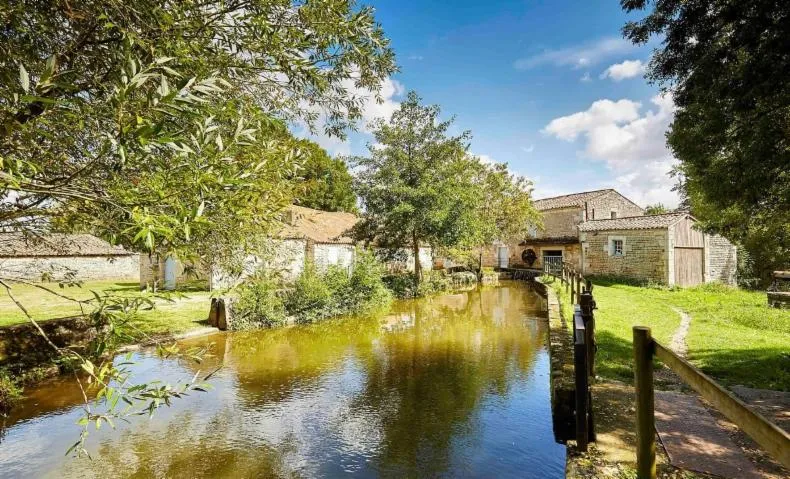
689, 266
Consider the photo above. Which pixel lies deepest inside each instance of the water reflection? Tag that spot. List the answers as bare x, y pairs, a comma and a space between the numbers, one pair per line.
450, 386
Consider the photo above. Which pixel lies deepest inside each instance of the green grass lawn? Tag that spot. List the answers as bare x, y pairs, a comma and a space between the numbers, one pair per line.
734, 337
188, 309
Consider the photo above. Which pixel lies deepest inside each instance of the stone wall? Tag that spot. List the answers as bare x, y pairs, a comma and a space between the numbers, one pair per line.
184, 272
603, 206
87, 268
570, 252
644, 256
721, 260
325, 255
560, 223
287, 257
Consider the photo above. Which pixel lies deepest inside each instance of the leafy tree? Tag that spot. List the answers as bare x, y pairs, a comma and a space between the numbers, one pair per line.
325, 183
656, 209
726, 63
158, 126
503, 210
417, 183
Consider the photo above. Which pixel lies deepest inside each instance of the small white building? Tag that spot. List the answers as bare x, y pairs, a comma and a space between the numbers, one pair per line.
309, 235
57, 256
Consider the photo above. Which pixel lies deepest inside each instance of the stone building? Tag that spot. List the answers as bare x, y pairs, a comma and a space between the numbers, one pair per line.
663, 248
309, 235
56, 256
603, 232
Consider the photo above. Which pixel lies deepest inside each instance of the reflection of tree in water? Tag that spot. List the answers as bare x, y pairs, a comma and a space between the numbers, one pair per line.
430, 380
187, 448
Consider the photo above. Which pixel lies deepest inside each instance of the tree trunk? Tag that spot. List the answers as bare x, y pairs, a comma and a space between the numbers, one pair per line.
417, 265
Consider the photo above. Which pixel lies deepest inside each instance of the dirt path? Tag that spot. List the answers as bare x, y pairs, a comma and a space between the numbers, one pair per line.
678, 342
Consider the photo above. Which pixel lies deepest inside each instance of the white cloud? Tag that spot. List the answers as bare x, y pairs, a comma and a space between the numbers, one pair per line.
585, 78
631, 144
528, 149
485, 158
621, 71
577, 56
601, 112
372, 109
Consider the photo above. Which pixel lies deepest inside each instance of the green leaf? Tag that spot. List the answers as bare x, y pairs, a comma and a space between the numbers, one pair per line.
24, 79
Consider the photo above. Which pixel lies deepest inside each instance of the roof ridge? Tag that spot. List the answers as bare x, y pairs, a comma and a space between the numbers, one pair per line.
638, 216
601, 191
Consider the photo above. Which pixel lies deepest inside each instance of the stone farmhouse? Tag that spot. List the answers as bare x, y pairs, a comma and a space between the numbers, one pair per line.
57, 256
602, 232
310, 235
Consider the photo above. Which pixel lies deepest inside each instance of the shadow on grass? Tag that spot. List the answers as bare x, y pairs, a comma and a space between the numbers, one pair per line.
764, 368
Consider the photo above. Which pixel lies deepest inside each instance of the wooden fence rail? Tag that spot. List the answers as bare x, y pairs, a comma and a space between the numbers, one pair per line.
773, 439
584, 347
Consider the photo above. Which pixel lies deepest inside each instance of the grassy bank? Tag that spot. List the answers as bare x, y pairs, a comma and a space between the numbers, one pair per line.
185, 310
734, 336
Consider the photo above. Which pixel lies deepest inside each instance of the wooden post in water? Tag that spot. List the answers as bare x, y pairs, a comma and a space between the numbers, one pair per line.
645, 413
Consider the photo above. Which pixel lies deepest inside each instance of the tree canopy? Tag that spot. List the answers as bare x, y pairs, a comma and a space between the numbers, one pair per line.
413, 184
324, 183
656, 209
419, 185
725, 63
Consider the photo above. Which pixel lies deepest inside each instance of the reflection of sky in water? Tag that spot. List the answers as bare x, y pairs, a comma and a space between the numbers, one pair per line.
455, 386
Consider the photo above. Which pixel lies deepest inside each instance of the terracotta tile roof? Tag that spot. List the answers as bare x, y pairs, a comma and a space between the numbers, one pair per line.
633, 222
567, 201
319, 226
57, 244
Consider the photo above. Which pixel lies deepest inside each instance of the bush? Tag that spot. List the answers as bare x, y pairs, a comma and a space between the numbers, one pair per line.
259, 303
315, 295
10, 392
405, 285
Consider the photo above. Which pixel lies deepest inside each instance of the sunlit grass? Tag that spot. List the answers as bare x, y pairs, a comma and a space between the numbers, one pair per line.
186, 310
734, 336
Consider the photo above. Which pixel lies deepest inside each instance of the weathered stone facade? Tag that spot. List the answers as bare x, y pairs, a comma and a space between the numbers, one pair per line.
86, 268
721, 260
602, 207
561, 223
644, 254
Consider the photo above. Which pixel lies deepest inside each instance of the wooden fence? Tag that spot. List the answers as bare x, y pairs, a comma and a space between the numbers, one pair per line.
584, 347
773, 439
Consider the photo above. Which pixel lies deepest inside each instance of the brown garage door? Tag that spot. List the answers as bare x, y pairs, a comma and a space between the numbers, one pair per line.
689, 264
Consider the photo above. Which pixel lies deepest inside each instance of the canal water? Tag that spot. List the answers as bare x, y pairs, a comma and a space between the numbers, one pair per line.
450, 386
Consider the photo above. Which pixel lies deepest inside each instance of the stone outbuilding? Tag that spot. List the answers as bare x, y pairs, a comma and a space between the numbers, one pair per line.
56, 256
663, 248
602, 232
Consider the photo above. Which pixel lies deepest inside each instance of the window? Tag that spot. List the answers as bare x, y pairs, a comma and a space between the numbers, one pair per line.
592, 214
614, 215
617, 247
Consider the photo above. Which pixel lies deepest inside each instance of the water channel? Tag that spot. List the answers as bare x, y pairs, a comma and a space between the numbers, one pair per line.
450, 386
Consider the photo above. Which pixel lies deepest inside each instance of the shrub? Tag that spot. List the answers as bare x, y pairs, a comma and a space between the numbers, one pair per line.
312, 296
10, 392
259, 303
315, 295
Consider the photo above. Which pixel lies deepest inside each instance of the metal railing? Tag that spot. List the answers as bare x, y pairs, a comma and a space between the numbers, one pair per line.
773, 439
553, 265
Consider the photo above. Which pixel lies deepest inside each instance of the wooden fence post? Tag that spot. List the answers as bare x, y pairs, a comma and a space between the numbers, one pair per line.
578, 287
645, 413
587, 304
581, 380
573, 292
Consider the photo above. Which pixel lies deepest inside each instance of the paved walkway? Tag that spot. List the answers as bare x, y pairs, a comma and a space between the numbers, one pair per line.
695, 440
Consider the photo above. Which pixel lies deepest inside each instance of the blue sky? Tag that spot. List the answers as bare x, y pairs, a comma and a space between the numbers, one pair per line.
550, 87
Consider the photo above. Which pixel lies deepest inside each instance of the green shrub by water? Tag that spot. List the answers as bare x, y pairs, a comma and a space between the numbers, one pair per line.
315, 295
10, 392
